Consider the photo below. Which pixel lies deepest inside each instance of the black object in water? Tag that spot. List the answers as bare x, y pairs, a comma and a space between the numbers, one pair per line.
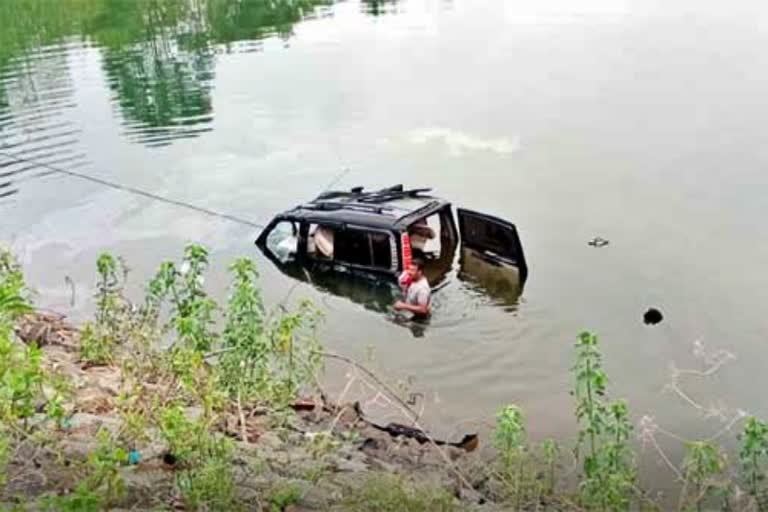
652, 317
598, 242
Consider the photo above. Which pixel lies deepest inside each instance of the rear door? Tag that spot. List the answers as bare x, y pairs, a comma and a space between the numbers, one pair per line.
494, 239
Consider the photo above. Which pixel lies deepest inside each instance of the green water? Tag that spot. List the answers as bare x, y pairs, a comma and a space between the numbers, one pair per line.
641, 122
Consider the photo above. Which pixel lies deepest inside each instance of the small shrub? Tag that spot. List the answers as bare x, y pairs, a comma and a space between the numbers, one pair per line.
209, 486
703, 465
754, 455
391, 493
550, 452
605, 429
21, 379
509, 440
14, 295
103, 485
284, 496
96, 345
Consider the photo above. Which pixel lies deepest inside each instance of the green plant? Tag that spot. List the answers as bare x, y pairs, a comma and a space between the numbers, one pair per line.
99, 339
550, 452
96, 345
21, 379
605, 429
297, 355
392, 493
104, 467
244, 368
101, 487
703, 463
753, 455
284, 496
209, 486
134, 416
5, 454
192, 314
509, 440
14, 295
81, 499
109, 294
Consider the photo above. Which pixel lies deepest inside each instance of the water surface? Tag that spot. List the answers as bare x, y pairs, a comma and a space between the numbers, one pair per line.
641, 122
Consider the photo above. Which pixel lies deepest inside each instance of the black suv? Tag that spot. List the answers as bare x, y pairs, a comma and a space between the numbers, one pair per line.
343, 236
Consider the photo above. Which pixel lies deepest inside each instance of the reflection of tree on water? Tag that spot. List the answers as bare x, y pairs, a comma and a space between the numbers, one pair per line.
164, 92
378, 7
159, 55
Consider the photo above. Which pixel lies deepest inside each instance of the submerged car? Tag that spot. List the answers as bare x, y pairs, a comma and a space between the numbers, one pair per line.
351, 242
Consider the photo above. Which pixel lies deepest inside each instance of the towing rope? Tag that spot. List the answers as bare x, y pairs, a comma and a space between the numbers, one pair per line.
133, 190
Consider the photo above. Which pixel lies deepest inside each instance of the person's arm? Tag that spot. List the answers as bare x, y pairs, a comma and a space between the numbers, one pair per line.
419, 309
422, 306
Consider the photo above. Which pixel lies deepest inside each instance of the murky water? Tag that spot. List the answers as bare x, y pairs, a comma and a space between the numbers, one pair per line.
641, 122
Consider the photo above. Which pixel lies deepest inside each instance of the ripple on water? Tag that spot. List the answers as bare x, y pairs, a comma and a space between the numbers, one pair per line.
36, 95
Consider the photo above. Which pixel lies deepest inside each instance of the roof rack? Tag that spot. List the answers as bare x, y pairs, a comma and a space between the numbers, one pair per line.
375, 196
341, 205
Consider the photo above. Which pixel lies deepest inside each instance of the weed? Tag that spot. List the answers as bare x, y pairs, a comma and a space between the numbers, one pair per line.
96, 345
14, 295
509, 440
109, 295
550, 452
192, 314
104, 464
244, 368
209, 486
81, 499
99, 340
391, 493
284, 496
605, 429
753, 455
297, 358
5, 454
103, 485
21, 380
703, 463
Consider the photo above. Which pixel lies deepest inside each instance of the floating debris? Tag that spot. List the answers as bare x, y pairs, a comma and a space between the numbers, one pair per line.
598, 242
652, 317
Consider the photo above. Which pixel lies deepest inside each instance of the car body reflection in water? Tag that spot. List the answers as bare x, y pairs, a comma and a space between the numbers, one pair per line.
355, 244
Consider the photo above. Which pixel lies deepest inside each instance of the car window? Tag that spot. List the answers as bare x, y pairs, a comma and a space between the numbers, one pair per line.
283, 240
321, 241
364, 248
383, 250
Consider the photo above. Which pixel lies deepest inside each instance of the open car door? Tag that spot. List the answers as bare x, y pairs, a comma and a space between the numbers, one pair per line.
493, 240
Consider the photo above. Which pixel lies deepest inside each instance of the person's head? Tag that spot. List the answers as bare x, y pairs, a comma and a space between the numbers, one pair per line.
416, 269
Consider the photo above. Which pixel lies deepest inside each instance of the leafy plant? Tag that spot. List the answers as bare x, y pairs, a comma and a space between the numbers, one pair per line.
96, 345
244, 368
284, 496
550, 452
192, 314
14, 295
99, 339
103, 485
509, 440
21, 380
391, 493
109, 295
753, 455
703, 463
297, 355
605, 429
209, 486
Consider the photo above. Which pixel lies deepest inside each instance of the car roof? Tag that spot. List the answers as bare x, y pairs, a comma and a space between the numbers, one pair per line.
388, 208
